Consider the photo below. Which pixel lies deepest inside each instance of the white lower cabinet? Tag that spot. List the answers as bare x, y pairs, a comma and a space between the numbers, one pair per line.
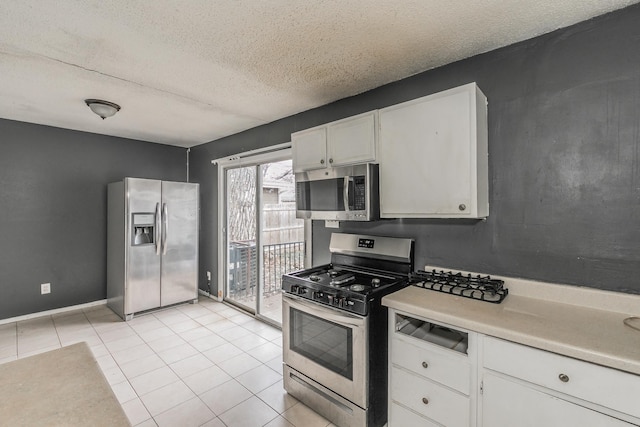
432, 373
440, 375
526, 386
509, 403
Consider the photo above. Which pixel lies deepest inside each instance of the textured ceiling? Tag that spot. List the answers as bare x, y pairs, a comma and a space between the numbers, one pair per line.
188, 72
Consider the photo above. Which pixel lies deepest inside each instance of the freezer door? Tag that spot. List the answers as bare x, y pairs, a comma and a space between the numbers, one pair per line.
142, 285
179, 281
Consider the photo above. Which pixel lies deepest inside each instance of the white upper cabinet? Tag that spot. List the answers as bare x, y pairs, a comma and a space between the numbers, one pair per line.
352, 140
309, 149
433, 156
344, 142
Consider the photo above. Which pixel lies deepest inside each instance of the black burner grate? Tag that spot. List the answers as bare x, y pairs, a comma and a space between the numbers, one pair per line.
482, 288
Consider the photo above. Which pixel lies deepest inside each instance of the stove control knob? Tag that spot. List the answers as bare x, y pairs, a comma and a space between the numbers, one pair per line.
297, 289
340, 301
330, 298
346, 303
317, 294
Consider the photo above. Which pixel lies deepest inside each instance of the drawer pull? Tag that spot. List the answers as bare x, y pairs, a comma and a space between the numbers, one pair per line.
564, 378
425, 400
425, 365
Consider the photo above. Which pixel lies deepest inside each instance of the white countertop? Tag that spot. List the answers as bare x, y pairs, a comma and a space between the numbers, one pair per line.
587, 325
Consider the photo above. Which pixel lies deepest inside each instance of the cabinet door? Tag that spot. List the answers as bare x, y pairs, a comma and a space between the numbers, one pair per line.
507, 403
309, 149
428, 160
352, 140
582, 379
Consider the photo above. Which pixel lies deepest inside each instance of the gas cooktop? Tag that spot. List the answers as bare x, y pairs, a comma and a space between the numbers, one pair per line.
347, 279
482, 288
344, 287
363, 269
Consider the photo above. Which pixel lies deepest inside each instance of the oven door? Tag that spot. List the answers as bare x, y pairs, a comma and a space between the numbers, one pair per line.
328, 346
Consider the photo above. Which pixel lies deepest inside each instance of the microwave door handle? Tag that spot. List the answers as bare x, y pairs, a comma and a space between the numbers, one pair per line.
345, 193
327, 314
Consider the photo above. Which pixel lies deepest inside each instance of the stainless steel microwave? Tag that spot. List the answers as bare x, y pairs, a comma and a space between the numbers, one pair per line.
348, 193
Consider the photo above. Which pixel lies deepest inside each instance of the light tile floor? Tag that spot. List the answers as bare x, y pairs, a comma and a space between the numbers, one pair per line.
204, 364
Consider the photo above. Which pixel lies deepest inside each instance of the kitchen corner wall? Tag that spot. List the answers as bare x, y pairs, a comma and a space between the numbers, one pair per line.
53, 210
564, 160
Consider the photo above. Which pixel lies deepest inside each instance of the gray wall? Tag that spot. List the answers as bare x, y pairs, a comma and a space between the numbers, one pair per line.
564, 145
53, 221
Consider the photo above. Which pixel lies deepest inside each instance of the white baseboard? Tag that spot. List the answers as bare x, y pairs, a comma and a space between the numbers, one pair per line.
51, 312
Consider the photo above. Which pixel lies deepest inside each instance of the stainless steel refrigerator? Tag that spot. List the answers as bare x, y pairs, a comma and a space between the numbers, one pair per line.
152, 244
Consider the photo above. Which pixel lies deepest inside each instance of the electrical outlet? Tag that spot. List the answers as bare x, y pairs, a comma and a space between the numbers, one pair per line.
45, 288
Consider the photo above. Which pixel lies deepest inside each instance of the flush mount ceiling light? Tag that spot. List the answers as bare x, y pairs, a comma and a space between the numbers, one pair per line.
102, 108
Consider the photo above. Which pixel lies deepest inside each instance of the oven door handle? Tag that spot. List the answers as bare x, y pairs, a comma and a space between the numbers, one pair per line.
327, 313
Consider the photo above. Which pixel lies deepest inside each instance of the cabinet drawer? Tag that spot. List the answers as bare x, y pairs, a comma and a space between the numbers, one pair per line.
597, 384
400, 416
429, 399
447, 369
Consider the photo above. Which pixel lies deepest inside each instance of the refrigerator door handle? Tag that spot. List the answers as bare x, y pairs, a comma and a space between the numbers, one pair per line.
165, 226
157, 232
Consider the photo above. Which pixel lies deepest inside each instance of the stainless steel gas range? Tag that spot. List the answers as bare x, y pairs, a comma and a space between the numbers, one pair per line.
335, 328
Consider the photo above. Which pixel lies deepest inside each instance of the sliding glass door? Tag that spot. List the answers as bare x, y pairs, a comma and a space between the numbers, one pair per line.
242, 238
263, 237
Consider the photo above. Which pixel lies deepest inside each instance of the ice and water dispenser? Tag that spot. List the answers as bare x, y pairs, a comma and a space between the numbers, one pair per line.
143, 229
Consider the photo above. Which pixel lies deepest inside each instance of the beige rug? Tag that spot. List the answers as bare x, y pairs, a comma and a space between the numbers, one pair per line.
63, 387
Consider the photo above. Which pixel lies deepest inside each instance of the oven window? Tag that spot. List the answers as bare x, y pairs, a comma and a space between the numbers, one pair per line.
326, 343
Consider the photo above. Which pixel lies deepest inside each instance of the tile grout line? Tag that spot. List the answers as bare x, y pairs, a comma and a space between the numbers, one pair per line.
180, 379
